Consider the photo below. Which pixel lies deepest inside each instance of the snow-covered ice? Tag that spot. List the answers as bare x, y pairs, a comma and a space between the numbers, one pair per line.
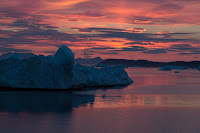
58, 72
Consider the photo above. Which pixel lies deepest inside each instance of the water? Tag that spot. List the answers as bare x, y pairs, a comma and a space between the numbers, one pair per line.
157, 102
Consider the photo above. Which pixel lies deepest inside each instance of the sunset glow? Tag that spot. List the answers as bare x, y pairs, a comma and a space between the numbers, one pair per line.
165, 30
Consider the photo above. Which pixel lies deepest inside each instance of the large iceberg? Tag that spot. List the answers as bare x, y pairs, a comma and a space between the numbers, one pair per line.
58, 72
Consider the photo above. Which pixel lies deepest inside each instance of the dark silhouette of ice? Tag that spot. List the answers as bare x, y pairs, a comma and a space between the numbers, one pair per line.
57, 72
41, 102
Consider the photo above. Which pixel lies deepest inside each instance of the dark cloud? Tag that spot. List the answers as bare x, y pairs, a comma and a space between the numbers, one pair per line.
48, 26
13, 13
140, 19
30, 24
72, 20
170, 34
168, 8
6, 50
98, 29
183, 47
111, 53
139, 43
37, 34
155, 51
136, 37
189, 53
133, 48
24, 24
102, 48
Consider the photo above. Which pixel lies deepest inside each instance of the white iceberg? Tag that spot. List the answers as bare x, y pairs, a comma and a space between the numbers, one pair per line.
58, 72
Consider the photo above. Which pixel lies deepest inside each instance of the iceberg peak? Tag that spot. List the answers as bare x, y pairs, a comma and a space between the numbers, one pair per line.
64, 55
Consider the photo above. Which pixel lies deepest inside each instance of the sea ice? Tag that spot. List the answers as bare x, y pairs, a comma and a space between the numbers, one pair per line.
170, 67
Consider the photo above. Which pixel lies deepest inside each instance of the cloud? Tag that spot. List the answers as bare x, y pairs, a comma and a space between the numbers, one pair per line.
183, 47
5, 50
165, 34
35, 33
101, 48
72, 20
146, 37
91, 29
190, 53
168, 9
155, 51
133, 48
139, 43
111, 53
136, 30
140, 20
48, 26
92, 14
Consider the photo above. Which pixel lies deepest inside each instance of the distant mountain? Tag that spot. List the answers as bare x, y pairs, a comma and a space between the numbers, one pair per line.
146, 63
17, 55
90, 61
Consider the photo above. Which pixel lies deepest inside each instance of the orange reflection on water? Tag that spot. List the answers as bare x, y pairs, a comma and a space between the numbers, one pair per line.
116, 101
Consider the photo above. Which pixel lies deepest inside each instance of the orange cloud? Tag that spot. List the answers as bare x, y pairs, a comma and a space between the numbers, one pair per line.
136, 30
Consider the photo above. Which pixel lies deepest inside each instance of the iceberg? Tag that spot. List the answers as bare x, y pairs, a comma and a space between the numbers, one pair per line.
176, 72
198, 68
18, 55
58, 72
104, 76
170, 67
13, 56
88, 62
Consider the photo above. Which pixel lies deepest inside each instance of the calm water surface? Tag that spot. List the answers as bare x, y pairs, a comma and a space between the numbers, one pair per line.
157, 102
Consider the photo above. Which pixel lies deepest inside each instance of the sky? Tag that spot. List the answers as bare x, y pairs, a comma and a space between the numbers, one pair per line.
156, 30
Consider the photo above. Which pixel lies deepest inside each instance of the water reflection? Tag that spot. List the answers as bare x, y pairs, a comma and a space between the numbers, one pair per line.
41, 102
112, 101
157, 102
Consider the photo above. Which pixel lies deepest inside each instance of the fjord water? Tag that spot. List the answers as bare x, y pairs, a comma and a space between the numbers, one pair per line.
157, 102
